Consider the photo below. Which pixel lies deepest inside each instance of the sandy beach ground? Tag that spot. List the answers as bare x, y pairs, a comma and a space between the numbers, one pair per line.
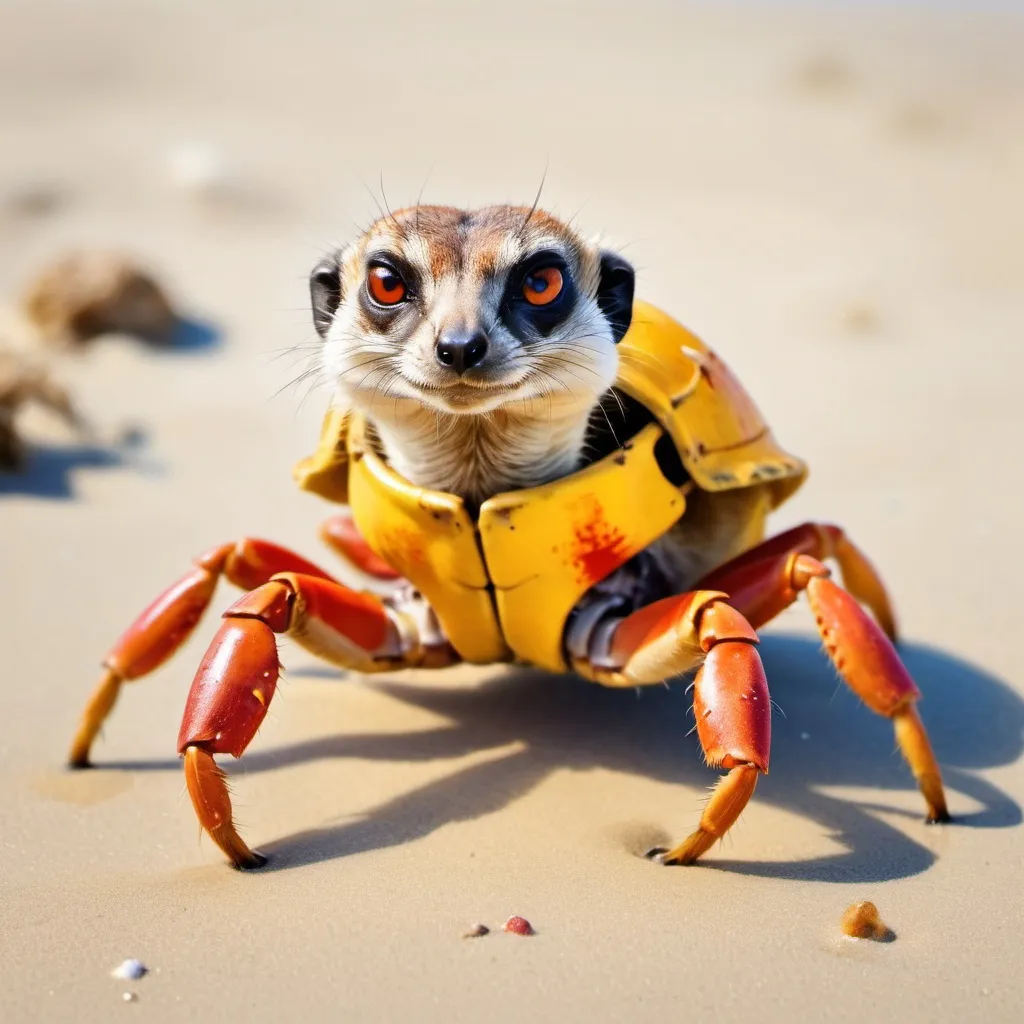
832, 198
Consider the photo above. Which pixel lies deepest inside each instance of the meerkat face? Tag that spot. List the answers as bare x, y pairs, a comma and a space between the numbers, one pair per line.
469, 311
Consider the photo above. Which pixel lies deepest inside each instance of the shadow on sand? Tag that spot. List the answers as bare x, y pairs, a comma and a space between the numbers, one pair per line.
49, 470
193, 335
974, 719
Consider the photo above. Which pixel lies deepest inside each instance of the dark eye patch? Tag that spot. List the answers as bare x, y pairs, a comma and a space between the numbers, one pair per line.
526, 320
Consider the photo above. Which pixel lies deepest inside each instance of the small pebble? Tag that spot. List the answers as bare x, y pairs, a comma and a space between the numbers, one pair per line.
920, 120
130, 969
825, 73
476, 931
518, 926
129, 997
860, 318
200, 169
861, 921
33, 200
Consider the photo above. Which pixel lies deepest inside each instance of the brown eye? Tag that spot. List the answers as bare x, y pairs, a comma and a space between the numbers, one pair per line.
542, 286
385, 286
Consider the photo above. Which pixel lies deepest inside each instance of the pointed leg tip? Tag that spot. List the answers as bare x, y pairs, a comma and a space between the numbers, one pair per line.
78, 756
942, 817
253, 862
668, 858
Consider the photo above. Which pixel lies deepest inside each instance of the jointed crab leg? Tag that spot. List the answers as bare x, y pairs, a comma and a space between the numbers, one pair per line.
767, 579
731, 698
746, 574
238, 676
714, 628
341, 535
167, 623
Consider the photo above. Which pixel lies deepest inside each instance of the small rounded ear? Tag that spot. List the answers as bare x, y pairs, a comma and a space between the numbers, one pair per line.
615, 292
325, 292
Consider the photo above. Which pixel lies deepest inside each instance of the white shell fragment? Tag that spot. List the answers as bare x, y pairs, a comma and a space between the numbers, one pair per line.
129, 997
130, 970
200, 169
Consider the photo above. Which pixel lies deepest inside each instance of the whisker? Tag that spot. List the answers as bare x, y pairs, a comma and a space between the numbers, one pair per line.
376, 202
298, 380
536, 201
398, 227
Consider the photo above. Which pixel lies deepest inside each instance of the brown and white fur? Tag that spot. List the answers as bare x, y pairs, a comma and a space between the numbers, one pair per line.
525, 414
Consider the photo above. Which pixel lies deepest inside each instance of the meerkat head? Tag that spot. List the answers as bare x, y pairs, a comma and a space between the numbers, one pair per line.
466, 312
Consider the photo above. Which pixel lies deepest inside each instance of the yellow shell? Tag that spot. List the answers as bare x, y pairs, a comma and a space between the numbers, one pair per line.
503, 585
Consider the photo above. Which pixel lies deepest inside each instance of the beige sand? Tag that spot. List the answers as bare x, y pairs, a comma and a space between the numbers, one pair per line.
834, 201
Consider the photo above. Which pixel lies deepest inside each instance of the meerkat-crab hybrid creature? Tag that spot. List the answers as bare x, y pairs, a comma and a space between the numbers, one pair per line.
542, 470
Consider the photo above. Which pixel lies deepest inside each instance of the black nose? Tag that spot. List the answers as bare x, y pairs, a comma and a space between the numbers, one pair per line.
461, 350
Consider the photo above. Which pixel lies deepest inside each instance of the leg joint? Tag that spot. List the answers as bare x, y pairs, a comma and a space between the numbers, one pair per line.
271, 603
216, 559
801, 569
719, 621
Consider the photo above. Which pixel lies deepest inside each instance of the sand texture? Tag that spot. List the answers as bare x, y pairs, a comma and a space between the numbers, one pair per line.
832, 198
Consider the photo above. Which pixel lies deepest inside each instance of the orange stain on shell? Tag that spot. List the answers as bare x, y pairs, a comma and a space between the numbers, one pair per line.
402, 549
598, 548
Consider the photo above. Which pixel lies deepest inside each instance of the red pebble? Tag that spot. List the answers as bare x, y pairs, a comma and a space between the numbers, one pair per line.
518, 926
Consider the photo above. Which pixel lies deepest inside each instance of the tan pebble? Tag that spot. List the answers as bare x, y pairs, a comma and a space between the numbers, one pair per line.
825, 73
860, 318
33, 200
88, 293
861, 921
476, 931
919, 120
518, 926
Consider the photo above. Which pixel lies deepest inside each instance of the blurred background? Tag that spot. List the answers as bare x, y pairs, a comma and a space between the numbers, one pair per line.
830, 194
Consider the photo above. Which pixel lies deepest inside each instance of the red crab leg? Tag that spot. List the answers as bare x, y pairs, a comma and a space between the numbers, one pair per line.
168, 622
731, 700
769, 578
237, 678
341, 534
818, 540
